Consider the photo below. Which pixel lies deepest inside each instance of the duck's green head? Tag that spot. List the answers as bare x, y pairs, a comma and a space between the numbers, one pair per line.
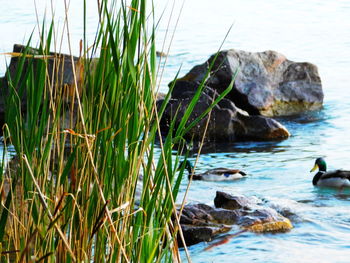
320, 163
188, 165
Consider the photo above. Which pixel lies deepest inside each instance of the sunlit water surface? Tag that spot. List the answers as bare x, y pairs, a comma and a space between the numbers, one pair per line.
314, 31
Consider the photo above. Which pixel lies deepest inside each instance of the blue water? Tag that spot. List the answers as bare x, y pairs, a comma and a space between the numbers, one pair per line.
314, 31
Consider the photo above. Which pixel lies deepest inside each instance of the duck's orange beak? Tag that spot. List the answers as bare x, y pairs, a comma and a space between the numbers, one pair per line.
314, 168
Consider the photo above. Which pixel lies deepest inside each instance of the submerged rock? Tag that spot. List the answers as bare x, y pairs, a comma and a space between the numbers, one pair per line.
267, 82
195, 234
254, 217
200, 222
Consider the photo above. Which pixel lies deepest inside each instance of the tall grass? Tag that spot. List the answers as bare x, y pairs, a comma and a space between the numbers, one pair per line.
91, 181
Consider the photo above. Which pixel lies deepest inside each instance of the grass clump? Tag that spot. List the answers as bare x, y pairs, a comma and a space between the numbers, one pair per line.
83, 146
90, 181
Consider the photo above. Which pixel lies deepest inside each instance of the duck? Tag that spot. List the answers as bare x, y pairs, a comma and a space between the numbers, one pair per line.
217, 174
337, 178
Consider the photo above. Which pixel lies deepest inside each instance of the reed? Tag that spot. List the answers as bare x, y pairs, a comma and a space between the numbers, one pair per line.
94, 180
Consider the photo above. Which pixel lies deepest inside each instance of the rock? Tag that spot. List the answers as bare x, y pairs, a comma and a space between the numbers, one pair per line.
253, 216
58, 65
194, 235
267, 82
261, 128
227, 122
160, 54
205, 215
201, 222
227, 201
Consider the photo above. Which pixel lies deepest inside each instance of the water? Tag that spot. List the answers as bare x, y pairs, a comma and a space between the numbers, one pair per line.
314, 31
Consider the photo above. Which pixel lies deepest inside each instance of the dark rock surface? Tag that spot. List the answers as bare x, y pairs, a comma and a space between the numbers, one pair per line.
227, 122
59, 69
201, 222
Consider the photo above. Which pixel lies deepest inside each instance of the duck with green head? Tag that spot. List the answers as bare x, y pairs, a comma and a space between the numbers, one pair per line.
217, 174
337, 178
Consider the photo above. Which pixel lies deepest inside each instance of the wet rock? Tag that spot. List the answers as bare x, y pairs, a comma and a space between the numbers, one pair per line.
227, 122
205, 215
201, 222
196, 234
227, 201
267, 82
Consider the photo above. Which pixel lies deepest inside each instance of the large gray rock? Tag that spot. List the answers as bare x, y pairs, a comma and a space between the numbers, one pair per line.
267, 82
201, 222
227, 122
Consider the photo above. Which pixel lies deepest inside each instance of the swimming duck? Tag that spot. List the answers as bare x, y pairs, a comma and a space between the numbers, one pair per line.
337, 178
217, 174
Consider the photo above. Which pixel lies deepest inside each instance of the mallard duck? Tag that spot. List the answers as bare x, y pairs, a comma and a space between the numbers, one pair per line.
337, 178
217, 174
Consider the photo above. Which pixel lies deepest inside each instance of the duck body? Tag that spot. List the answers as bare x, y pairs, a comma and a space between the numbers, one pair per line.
337, 178
217, 174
